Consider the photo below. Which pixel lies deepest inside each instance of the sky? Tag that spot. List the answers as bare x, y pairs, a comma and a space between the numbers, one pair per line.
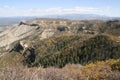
10, 8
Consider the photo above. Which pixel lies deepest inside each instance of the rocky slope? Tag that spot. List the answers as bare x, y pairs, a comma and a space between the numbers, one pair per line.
40, 29
43, 28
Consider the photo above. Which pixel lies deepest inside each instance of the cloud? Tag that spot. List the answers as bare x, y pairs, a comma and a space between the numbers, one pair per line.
13, 11
60, 10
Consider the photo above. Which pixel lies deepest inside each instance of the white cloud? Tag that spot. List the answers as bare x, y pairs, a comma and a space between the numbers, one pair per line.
13, 11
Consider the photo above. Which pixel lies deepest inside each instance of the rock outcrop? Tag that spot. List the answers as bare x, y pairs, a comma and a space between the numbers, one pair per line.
47, 33
27, 51
15, 46
15, 33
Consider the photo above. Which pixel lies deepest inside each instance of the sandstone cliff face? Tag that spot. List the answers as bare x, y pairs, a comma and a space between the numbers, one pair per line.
16, 33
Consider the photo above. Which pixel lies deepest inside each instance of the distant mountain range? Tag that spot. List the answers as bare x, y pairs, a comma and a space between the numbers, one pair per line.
82, 17
13, 20
5, 21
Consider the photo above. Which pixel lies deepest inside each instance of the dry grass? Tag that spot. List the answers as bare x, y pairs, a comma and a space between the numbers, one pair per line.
93, 71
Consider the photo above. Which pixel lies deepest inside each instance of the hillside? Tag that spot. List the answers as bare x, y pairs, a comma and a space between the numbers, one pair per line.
60, 43
74, 50
57, 27
95, 57
68, 49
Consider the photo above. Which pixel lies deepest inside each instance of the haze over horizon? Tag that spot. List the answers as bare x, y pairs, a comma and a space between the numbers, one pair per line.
13, 8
